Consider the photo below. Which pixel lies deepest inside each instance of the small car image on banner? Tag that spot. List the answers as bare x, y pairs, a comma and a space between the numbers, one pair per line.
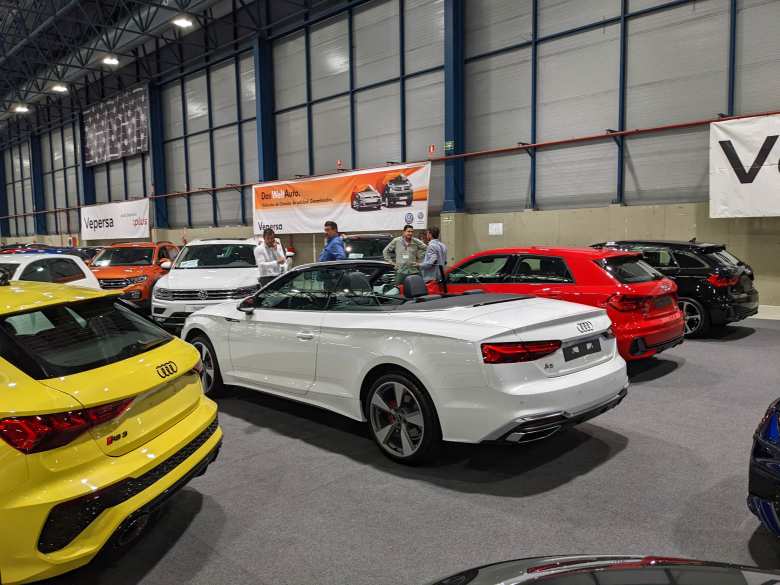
384, 198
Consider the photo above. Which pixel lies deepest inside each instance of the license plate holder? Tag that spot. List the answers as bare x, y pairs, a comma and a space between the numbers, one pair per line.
581, 349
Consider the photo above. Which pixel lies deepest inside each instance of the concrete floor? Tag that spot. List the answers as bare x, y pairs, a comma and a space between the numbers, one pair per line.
301, 496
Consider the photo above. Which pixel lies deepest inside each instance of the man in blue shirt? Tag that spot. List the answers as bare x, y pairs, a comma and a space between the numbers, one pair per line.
334, 245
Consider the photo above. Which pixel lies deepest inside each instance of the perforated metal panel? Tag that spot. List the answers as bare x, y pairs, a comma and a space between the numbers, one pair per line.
578, 84
172, 112
576, 176
498, 101
677, 64
331, 134
376, 37
378, 126
424, 115
329, 57
758, 58
224, 102
289, 56
424, 34
495, 24
196, 103
559, 15
292, 143
498, 183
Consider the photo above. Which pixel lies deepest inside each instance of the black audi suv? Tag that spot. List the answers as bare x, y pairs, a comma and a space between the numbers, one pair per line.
714, 286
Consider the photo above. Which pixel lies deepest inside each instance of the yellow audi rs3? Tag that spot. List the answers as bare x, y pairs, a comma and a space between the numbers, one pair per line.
102, 418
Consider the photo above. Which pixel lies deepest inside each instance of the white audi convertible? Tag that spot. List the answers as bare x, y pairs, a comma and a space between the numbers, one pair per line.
418, 368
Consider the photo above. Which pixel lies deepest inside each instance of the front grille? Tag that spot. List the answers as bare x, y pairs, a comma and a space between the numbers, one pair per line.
209, 295
69, 519
113, 282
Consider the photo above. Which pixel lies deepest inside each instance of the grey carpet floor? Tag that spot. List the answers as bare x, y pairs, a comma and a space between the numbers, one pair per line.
302, 497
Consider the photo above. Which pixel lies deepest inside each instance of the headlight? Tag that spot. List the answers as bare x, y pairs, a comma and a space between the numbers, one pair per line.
137, 279
162, 293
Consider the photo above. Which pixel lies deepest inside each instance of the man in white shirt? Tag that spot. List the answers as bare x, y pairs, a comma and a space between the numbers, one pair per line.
270, 257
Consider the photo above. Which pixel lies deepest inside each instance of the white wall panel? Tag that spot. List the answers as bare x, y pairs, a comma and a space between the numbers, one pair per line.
378, 126
677, 64
758, 57
246, 71
331, 134
495, 24
576, 176
227, 170
249, 145
376, 35
578, 84
45, 153
16, 164
292, 144
424, 115
56, 145
176, 181
116, 179
101, 184
560, 15
289, 55
498, 183
498, 100
424, 34
224, 102
25, 150
329, 58
135, 177
667, 168
196, 102
21, 222
172, 114
635, 5
436, 192
199, 157
70, 146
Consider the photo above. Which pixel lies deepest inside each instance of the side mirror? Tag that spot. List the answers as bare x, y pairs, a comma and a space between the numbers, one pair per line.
247, 305
165, 264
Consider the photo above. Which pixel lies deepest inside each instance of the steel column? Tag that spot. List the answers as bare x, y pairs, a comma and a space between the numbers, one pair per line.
264, 103
87, 173
620, 141
36, 172
157, 152
534, 96
5, 227
454, 107
732, 56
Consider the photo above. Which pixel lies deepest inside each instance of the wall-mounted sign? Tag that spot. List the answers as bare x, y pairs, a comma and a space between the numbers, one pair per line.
117, 127
383, 198
122, 220
745, 167
495, 229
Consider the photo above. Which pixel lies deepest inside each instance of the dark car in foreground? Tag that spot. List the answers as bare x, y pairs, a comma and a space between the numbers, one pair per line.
764, 474
610, 570
714, 286
366, 246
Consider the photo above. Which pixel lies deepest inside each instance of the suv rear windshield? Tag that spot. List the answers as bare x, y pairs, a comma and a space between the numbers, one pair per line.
724, 258
124, 257
629, 269
62, 340
217, 256
365, 248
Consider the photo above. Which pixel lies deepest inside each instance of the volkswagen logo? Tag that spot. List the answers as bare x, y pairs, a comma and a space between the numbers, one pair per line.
203, 295
409, 217
167, 369
585, 327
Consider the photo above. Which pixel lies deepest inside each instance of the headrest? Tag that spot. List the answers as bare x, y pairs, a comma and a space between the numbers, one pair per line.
414, 286
357, 282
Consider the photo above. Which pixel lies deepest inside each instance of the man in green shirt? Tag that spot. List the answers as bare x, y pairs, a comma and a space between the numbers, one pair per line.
406, 252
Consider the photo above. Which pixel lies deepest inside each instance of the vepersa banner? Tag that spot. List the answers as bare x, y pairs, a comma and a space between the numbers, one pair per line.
744, 167
384, 198
126, 219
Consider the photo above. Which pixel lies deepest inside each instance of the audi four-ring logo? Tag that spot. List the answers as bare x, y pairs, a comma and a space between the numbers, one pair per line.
167, 369
585, 326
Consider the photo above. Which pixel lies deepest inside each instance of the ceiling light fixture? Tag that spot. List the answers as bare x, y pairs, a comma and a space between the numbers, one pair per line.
21, 109
110, 60
182, 21
60, 88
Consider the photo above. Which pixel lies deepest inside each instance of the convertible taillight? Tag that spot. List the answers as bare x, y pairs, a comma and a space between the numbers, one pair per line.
33, 434
513, 352
720, 281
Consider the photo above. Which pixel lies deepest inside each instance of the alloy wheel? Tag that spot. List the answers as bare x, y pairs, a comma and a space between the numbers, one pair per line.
692, 317
397, 419
207, 375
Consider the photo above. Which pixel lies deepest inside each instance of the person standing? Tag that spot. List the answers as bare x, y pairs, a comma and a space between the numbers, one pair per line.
435, 256
406, 252
334, 245
270, 257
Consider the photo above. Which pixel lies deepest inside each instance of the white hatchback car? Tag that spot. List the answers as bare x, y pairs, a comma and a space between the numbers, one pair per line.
57, 268
419, 368
205, 273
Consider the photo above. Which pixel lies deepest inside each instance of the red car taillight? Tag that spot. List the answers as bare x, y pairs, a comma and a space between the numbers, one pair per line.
627, 303
33, 434
513, 352
720, 281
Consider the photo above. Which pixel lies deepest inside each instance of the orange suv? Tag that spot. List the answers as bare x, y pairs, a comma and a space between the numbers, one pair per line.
134, 268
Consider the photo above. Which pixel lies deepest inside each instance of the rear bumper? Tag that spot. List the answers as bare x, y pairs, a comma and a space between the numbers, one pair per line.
733, 307
142, 480
643, 339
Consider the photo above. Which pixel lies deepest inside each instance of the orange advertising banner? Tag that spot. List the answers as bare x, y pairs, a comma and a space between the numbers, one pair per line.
383, 198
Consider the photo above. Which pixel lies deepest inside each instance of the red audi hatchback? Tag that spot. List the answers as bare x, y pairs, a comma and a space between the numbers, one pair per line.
641, 302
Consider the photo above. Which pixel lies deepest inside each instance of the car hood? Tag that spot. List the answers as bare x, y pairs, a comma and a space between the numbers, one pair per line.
120, 271
209, 279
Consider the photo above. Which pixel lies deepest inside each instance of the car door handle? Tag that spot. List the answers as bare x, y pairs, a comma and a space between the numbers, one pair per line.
305, 335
